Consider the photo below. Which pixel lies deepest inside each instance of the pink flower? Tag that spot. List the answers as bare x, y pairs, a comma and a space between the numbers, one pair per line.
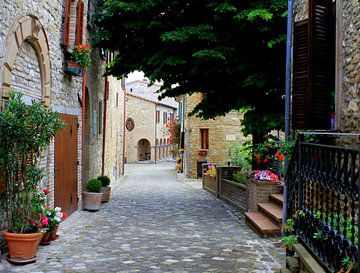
45, 221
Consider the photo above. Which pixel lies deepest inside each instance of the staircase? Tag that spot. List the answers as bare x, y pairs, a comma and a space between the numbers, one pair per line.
267, 221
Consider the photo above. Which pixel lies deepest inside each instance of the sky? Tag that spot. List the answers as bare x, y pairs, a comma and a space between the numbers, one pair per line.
137, 75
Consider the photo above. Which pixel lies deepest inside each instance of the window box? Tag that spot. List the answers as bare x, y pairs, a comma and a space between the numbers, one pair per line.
74, 69
202, 152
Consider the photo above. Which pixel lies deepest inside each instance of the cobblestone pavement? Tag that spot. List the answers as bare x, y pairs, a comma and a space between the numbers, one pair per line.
155, 223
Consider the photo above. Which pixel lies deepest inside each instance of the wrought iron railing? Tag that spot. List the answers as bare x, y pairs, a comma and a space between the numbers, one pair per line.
323, 197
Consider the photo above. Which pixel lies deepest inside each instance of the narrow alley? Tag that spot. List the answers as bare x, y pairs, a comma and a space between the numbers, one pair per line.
155, 223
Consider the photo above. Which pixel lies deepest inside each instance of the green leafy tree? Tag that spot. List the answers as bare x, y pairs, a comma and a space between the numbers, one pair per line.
231, 51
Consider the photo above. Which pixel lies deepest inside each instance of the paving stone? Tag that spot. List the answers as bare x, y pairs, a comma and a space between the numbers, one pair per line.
157, 223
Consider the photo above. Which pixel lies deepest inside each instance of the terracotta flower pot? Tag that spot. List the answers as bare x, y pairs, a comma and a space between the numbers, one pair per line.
22, 247
105, 194
53, 232
46, 237
92, 201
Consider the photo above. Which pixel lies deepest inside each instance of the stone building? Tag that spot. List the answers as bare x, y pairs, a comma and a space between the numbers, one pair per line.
146, 119
36, 40
206, 140
326, 78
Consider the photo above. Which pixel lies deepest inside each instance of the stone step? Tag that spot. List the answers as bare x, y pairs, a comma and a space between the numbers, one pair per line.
292, 263
262, 224
277, 198
284, 270
271, 210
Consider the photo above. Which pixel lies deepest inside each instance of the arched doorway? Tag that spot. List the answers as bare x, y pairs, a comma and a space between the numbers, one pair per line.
144, 152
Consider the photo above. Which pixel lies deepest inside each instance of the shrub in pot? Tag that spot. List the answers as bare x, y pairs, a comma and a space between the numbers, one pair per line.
25, 131
105, 189
92, 195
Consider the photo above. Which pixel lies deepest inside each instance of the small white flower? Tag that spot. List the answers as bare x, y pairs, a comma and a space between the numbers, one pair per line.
57, 209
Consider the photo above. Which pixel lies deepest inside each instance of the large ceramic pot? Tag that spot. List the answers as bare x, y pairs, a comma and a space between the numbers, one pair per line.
22, 247
92, 200
105, 194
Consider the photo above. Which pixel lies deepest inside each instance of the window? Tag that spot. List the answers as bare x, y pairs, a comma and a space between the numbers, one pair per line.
157, 116
164, 118
204, 138
66, 26
313, 68
100, 121
79, 23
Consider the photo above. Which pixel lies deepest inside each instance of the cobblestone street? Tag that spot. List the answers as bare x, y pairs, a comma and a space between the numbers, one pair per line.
154, 223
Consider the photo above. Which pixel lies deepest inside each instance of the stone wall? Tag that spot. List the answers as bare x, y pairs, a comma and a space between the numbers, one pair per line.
222, 131
95, 85
349, 97
114, 130
142, 112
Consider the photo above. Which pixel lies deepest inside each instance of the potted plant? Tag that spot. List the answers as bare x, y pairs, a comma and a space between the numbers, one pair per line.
92, 195
288, 243
79, 60
105, 189
25, 131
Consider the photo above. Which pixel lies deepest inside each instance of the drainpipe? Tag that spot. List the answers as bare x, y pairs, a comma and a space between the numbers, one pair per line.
124, 134
83, 101
287, 93
106, 96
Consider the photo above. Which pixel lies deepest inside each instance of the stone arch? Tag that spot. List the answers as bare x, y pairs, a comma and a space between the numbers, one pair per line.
27, 28
144, 150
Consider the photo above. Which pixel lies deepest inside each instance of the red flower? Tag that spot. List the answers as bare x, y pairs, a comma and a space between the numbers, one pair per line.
46, 191
265, 160
257, 156
281, 157
64, 216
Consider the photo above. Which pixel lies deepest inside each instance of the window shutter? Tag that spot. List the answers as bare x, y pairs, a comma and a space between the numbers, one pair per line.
66, 25
301, 110
311, 68
320, 38
79, 23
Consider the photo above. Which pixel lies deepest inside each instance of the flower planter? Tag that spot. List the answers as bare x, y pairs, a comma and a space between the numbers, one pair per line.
46, 238
233, 193
53, 233
258, 191
22, 247
92, 201
105, 194
202, 152
74, 69
209, 184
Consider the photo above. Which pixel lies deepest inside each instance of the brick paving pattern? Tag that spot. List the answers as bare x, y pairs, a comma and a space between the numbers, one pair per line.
155, 223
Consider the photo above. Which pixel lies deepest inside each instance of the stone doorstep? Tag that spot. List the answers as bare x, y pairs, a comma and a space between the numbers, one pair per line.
272, 210
277, 198
307, 260
292, 263
285, 270
262, 224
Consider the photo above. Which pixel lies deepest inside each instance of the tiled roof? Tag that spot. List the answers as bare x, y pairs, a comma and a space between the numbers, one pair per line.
140, 88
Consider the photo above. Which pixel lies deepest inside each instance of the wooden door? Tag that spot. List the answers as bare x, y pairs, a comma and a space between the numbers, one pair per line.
66, 162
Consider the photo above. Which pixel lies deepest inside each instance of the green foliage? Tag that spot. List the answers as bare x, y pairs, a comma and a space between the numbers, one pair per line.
105, 180
289, 225
93, 185
318, 235
231, 51
81, 55
240, 177
289, 241
25, 131
239, 155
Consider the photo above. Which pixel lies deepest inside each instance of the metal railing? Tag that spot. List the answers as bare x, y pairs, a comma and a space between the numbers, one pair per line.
323, 197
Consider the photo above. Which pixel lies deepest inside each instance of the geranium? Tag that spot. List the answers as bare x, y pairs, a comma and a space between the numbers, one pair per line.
267, 154
172, 130
55, 216
211, 171
81, 55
